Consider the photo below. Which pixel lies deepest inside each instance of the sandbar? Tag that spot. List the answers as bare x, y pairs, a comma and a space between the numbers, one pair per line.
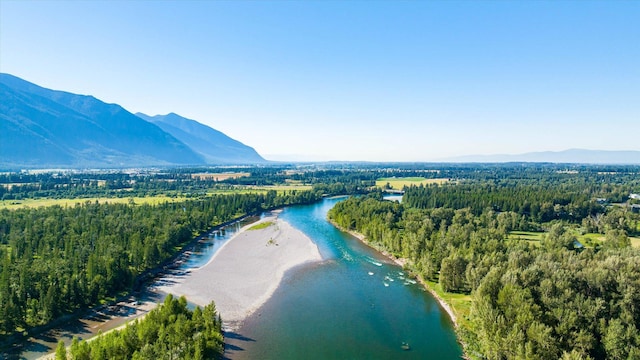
244, 273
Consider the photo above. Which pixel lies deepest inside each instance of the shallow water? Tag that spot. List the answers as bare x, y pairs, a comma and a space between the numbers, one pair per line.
354, 305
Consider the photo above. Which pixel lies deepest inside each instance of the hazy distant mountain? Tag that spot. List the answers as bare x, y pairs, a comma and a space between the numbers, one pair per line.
46, 128
214, 146
578, 156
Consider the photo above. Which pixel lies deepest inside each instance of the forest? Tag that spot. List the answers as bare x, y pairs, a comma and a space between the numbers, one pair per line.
56, 260
547, 299
550, 296
170, 331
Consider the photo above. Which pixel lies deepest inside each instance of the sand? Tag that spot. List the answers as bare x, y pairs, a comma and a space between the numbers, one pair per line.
246, 271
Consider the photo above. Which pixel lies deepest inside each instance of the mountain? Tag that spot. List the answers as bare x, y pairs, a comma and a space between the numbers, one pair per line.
214, 146
46, 128
578, 156
43, 128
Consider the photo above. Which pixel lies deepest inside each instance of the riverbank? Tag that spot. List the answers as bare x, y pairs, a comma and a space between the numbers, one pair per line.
402, 262
244, 273
87, 323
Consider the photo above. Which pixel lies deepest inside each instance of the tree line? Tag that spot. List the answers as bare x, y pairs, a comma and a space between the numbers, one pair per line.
545, 300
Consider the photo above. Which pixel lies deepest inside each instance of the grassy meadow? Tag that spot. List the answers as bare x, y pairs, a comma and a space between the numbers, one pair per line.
398, 183
589, 240
44, 202
460, 304
530, 236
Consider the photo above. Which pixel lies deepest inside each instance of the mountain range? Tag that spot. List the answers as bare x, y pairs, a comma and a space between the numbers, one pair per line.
43, 128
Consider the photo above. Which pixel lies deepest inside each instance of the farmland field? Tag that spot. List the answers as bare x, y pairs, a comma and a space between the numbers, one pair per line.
44, 202
398, 183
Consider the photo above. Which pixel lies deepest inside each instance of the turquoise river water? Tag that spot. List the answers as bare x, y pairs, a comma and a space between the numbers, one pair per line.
354, 305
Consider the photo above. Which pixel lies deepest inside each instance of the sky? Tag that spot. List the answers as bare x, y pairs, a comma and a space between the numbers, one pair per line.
350, 80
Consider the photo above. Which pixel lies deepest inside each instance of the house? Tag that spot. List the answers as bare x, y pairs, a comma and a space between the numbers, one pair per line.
634, 196
635, 208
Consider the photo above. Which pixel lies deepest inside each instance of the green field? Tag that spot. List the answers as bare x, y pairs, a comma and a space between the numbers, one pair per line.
44, 202
398, 183
589, 240
530, 236
593, 239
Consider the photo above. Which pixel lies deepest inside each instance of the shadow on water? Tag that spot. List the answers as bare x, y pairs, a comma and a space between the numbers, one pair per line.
233, 343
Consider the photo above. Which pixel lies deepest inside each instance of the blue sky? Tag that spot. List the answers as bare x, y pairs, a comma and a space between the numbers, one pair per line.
350, 80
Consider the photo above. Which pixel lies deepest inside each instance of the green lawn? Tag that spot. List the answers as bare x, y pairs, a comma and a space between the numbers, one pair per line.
459, 303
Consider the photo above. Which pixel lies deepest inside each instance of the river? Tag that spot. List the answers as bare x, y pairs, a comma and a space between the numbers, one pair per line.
356, 304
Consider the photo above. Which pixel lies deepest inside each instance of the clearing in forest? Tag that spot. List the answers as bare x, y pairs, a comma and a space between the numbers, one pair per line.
398, 183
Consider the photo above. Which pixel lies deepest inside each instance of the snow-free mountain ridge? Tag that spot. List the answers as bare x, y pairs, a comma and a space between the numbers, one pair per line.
43, 128
214, 146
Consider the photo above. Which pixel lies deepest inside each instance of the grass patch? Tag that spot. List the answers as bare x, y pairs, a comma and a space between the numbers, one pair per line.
533, 238
398, 183
526, 235
262, 225
459, 303
590, 240
45, 202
